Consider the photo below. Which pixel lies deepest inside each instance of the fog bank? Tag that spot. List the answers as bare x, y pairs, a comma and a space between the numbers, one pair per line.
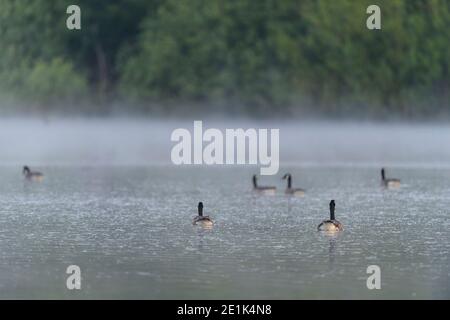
147, 142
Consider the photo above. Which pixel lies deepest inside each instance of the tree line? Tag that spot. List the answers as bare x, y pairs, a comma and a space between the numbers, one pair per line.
258, 58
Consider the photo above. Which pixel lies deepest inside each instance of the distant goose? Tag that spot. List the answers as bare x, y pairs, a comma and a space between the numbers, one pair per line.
204, 221
262, 189
32, 175
289, 189
332, 224
389, 183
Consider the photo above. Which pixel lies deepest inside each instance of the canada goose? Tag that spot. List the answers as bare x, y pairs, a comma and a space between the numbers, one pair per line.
265, 190
332, 224
32, 175
289, 189
389, 183
204, 221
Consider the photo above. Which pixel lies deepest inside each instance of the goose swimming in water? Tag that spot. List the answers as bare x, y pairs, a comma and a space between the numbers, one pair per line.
204, 221
332, 224
262, 189
389, 183
32, 175
289, 189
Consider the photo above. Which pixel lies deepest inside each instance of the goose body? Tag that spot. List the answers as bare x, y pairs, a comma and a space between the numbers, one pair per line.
392, 183
32, 175
331, 225
263, 189
201, 220
389, 183
292, 191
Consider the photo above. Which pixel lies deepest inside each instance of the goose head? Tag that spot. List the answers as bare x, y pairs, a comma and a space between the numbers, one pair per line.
25, 170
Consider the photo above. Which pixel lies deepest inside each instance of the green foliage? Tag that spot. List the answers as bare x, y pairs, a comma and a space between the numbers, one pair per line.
257, 57
55, 82
28, 41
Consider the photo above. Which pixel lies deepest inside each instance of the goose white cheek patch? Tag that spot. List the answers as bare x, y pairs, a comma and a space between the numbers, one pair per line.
236, 146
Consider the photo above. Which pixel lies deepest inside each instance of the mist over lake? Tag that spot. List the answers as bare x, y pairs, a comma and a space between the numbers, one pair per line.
125, 141
332, 119
112, 203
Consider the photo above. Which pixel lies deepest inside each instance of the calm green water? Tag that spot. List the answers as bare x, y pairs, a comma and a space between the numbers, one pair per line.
129, 229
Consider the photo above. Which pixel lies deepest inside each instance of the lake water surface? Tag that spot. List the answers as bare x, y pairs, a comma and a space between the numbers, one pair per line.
128, 225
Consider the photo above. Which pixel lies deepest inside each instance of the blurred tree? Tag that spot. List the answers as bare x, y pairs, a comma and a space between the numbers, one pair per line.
55, 82
258, 57
107, 26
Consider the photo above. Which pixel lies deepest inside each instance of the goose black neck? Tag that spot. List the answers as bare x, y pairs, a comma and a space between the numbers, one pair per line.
332, 206
289, 179
200, 209
382, 175
254, 182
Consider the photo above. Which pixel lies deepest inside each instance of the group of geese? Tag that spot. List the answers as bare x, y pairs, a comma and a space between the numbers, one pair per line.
272, 190
331, 224
388, 183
